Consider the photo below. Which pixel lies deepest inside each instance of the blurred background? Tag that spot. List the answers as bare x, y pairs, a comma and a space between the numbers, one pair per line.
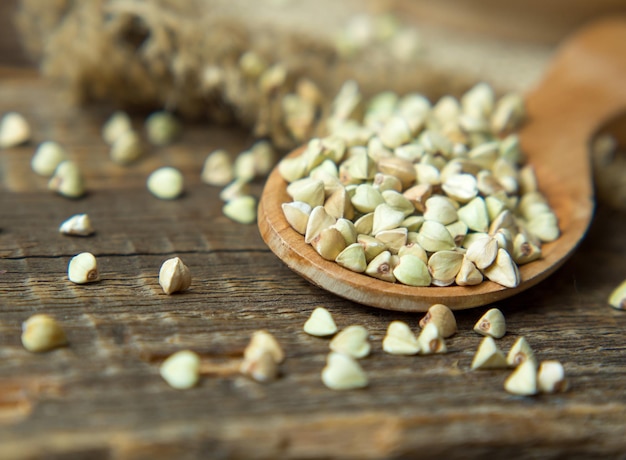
187, 55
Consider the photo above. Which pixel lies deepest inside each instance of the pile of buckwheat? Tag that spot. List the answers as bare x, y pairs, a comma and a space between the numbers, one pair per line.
403, 190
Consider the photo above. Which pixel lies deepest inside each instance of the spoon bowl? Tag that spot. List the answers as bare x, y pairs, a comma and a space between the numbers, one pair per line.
584, 87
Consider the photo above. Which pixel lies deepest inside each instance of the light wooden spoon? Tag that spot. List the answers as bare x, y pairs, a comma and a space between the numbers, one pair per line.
584, 87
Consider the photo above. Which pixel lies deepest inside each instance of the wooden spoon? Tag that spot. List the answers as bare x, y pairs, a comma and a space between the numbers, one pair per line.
584, 87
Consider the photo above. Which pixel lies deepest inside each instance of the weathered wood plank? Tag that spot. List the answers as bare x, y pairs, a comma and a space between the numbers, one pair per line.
102, 396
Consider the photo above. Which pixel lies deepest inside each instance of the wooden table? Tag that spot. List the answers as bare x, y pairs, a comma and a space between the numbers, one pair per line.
102, 397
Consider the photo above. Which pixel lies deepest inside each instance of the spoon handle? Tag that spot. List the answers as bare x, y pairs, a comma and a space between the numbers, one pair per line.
582, 89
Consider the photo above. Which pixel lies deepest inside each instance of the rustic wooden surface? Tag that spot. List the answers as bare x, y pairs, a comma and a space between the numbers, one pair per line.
102, 397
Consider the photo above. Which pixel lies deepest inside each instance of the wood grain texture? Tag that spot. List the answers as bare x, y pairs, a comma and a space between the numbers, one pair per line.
582, 89
102, 397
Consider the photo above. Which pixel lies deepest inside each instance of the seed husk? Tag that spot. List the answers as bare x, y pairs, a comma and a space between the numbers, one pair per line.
484, 155
475, 215
262, 368
47, 157
241, 209
487, 183
381, 267
520, 352
329, 243
366, 198
308, 190
458, 230
393, 239
117, 124
507, 175
320, 323
461, 187
482, 252
435, 142
479, 100
410, 152
358, 167
42, 333
83, 268
488, 356
415, 249
263, 341
385, 182
162, 128
67, 180
413, 224
218, 169
347, 100
617, 299
398, 202
386, 218
524, 251
468, 274
395, 132
292, 169
440, 209
491, 324
400, 168
328, 173
523, 380
544, 226
298, 116
14, 130
371, 246
431, 341
244, 165
504, 239
510, 149
494, 207
527, 180
418, 195
174, 276
508, 114
339, 205
319, 219
351, 341
442, 317
237, 188
434, 237
427, 174
503, 270
347, 230
78, 225
126, 148
506, 220
412, 271
181, 370
264, 157
353, 258
343, 372
551, 377
444, 266
297, 215
166, 183
400, 340
262, 357
364, 224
